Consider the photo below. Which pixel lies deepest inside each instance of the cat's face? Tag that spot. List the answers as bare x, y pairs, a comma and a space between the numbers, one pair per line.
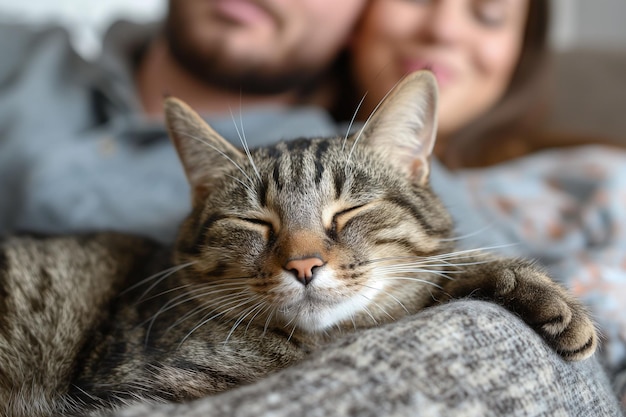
314, 233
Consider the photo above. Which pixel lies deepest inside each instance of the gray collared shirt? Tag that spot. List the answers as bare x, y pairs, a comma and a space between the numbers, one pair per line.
77, 154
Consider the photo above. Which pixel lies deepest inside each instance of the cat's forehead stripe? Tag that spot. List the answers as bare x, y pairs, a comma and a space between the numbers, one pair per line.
262, 192
302, 161
302, 165
339, 180
276, 175
320, 152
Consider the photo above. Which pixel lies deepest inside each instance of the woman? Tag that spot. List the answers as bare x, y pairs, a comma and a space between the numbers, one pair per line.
489, 63
562, 207
491, 59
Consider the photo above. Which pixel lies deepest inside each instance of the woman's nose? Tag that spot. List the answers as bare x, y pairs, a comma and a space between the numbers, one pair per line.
447, 22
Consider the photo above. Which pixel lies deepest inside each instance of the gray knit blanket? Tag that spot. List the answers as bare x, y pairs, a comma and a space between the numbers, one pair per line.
465, 358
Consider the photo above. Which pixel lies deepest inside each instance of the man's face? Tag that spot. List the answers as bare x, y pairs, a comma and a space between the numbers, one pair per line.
259, 46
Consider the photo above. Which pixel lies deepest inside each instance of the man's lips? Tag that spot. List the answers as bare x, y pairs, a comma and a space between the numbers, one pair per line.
242, 11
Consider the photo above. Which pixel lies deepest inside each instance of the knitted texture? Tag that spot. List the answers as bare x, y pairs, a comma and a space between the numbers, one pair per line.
465, 358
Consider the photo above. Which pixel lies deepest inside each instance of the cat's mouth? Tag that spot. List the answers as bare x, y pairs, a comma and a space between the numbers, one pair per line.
310, 299
325, 302
314, 312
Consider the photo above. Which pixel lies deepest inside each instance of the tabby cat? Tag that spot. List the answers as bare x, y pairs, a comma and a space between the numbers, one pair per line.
287, 247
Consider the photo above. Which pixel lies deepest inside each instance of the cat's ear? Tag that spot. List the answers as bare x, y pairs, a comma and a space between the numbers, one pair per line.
404, 126
205, 154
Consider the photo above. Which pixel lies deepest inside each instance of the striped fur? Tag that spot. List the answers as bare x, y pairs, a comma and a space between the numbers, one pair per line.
90, 323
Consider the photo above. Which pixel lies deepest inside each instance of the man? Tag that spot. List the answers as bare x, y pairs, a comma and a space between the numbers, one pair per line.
227, 53
82, 146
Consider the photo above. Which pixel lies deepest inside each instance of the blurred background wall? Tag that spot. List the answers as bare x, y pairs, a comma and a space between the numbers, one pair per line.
86, 20
587, 23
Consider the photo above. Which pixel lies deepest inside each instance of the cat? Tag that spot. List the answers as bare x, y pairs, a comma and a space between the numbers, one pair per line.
287, 247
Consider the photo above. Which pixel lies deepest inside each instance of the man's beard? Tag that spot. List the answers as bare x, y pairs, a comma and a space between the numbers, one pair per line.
250, 80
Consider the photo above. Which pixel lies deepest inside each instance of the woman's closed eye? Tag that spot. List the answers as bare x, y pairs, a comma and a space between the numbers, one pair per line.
490, 13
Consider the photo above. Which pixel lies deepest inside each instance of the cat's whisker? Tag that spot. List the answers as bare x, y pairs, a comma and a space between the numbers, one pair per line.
377, 305
412, 260
197, 310
226, 282
353, 322
246, 299
181, 287
250, 190
206, 291
161, 279
293, 330
243, 316
203, 290
369, 118
460, 254
294, 320
269, 319
327, 333
244, 141
481, 249
456, 265
414, 272
229, 159
217, 288
388, 294
92, 397
249, 310
443, 274
420, 266
263, 310
369, 313
356, 112
414, 267
174, 268
420, 271
169, 306
457, 238
200, 307
210, 316
423, 281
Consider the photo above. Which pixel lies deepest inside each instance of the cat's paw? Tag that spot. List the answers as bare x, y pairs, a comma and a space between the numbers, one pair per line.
543, 304
548, 308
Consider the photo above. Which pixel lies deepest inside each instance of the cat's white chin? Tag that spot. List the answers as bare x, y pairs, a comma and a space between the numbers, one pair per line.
315, 318
318, 307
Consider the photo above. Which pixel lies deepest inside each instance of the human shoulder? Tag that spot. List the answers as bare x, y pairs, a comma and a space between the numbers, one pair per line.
19, 42
264, 125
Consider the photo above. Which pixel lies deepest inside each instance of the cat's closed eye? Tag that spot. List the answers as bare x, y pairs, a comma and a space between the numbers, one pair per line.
265, 227
341, 218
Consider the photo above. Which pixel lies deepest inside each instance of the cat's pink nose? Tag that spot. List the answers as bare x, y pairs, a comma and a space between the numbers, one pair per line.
304, 268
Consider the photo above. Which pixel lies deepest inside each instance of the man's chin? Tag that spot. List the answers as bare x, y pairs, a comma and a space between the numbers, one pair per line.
242, 76
255, 83
237, 65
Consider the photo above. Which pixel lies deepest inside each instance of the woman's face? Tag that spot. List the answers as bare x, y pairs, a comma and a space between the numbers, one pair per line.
472, 46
